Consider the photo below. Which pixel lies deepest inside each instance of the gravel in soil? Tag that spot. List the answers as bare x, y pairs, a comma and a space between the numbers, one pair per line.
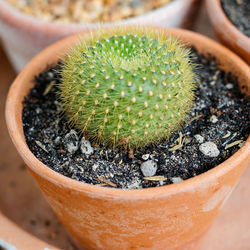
77, 11
217, 127
238, 11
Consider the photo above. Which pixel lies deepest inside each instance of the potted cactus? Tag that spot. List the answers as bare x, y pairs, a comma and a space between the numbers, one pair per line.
123, 90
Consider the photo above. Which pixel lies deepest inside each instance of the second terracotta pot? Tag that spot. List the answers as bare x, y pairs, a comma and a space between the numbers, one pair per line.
226, 32
168, 217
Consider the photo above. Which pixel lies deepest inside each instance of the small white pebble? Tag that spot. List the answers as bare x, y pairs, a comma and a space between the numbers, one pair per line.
145, 157
213, 119
86, 147
50, 75
38, 111
31, 129
57, 141
199, 138
203, 105
176, 179
95, 166
148, 168
209, 149
71, 141
187, 140
134, 185
229, 86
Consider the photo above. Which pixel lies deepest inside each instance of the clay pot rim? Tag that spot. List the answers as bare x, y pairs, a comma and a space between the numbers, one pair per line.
217, 9
15, 129
20, 19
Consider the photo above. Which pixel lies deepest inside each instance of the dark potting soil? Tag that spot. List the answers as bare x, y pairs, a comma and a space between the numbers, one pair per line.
238, 11
217, 127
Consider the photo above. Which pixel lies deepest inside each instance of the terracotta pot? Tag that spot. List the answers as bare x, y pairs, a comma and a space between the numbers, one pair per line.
168, 217
24, 36
226, 32
12, 237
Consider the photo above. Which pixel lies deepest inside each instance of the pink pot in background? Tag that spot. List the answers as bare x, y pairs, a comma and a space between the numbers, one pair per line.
24, 36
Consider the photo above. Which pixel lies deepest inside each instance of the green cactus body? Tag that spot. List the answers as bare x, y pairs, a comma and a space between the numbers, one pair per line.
127, 85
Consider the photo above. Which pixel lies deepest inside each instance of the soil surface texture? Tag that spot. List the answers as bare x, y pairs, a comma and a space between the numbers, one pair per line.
238, 11
217, 127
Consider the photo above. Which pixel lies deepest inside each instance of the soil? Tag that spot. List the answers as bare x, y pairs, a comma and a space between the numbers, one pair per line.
217, 127
86, 10
238, 13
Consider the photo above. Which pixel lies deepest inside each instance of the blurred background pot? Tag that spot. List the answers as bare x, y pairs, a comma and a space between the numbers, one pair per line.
23, 36
226, 32
175, 216
13, 237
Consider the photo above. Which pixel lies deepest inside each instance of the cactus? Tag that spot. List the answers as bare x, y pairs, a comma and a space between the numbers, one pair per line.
131, 86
